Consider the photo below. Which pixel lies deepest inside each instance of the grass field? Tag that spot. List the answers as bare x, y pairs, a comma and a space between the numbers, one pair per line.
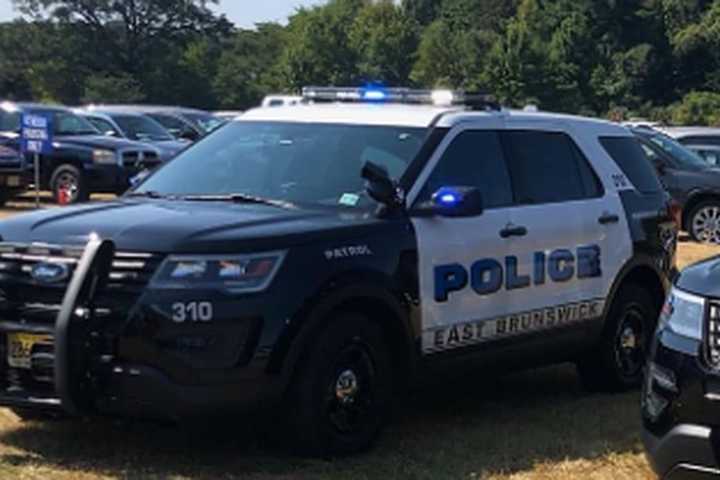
534, 425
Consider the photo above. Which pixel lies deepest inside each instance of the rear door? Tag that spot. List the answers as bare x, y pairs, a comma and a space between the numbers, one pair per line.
573, 235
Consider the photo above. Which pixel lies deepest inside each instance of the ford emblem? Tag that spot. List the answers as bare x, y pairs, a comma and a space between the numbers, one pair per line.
50, 272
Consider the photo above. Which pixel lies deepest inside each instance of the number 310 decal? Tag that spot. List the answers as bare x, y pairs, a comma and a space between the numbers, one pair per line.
192, 312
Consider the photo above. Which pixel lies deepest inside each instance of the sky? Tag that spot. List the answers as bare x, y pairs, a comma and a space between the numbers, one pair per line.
245, 13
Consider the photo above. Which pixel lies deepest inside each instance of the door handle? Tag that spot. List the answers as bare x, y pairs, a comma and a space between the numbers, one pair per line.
513, 231
608, 218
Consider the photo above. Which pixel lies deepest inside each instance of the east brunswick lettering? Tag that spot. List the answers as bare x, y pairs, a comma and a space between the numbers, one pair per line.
510, 325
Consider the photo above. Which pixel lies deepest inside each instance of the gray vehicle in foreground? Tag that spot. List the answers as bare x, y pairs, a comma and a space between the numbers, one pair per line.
137, 127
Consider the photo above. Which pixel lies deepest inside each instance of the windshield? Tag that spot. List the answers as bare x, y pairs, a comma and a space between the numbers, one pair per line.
207, 122
677, 151
67, 123
300, 163
142, 128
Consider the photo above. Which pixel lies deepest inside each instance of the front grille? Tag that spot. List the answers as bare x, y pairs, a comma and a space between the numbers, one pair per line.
139, 160
712, 336
30, 299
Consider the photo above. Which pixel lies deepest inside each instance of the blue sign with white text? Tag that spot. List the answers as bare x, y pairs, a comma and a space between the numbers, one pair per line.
36, 133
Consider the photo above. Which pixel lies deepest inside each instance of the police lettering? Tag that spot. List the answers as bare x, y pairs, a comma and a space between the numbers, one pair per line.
487, 276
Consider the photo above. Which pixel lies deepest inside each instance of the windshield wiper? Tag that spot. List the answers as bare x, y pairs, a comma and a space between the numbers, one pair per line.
148, 194
239, 198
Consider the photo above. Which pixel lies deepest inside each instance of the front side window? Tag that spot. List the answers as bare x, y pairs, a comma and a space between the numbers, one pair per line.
547, 167
9, 121
317, 164
67, 123
679, 153
103, 125
142, 128
473, 159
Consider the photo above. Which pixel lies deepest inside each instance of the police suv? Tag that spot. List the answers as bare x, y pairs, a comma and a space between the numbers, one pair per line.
324, 255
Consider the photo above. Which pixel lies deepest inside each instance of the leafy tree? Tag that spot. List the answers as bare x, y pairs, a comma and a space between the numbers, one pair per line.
318, 47
384, 40
247, 69
698, 108
106, 88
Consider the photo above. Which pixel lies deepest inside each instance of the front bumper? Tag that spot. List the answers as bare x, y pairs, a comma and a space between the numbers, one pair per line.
128, 355
681, 411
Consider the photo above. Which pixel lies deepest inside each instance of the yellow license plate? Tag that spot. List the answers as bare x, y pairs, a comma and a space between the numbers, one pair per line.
20, 346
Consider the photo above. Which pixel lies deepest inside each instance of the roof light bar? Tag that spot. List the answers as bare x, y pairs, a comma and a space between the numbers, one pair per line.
474, 101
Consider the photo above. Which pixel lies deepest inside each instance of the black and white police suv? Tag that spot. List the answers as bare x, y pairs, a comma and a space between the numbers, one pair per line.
323, 255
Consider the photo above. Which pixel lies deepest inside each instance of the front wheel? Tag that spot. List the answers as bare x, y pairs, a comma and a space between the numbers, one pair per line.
704, 222
69, 185
617, 363
341, 394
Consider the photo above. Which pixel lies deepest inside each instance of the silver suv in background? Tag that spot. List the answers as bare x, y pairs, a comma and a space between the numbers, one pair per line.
137, 127
183, 123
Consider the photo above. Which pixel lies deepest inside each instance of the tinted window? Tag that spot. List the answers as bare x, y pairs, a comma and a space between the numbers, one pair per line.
473, 159
629, 156
701, 140
305, 163
548, 167
9, 121
140, 127
103, 125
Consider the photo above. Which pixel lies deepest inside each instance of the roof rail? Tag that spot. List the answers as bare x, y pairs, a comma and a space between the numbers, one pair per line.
471, 100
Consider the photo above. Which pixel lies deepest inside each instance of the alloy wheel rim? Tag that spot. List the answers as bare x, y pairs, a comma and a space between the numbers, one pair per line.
630, 344
350, 400
706, 224
67, 182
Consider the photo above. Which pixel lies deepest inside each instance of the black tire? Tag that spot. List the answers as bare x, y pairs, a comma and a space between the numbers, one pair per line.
69, 176
341, 393
618, 362
703, 222
33, 415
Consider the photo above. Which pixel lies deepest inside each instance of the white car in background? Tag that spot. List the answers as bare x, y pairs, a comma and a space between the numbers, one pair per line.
281, 100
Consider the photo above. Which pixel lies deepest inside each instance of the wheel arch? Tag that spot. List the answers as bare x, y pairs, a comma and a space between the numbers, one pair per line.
368, 293
641, 271
695, 199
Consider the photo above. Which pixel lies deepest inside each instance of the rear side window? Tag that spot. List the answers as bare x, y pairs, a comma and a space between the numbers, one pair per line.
701, 140
629, 156
9, 121
547, 167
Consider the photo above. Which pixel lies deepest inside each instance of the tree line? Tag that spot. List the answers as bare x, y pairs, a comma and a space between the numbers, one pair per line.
658, 59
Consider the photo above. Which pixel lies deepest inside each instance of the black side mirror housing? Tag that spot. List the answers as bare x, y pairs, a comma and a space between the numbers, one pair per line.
457, 202
380, 186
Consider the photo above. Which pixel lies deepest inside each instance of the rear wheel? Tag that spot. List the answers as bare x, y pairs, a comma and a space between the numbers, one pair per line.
341, 394
68, 185
704, 223
617, 363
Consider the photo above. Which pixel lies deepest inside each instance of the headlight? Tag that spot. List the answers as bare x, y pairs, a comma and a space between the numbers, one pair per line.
104, 157
232, 273
683, 313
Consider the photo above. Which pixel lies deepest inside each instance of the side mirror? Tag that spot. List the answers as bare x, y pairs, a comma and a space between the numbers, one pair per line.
455, 202
190, 135
380, 186
660, 166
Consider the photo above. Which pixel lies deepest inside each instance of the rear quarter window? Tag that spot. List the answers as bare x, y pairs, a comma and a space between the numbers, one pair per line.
629, 156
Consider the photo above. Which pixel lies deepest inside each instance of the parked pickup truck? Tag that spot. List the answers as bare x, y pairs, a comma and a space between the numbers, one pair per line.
83, 161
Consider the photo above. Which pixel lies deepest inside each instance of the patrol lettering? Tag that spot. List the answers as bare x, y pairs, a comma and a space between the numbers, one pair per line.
488, 275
